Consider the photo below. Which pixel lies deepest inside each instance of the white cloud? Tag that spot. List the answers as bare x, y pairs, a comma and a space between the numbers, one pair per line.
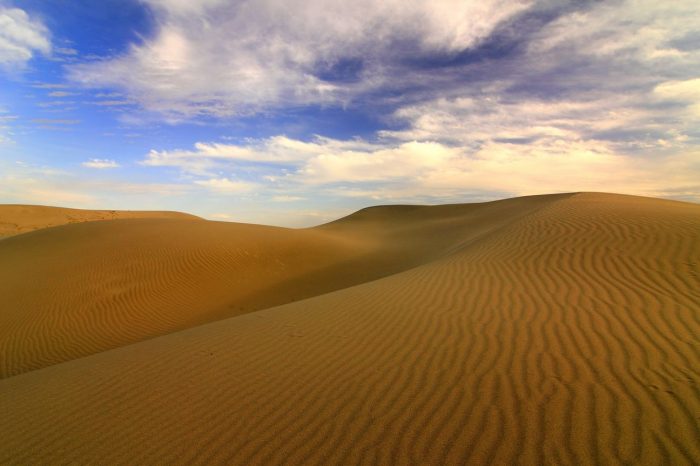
434, 170
684, 92
511, 135
112, 103
183, 7
100, 163
627, 123
60, 94
630, 29
220, 216
50, 86
21, 36
55, 121
285, 198
489, 117
25, 183
66, 51
610, 50
224, 57
280, 150
406, 160
225, 185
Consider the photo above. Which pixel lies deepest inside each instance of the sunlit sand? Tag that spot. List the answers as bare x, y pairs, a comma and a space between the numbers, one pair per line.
557, 329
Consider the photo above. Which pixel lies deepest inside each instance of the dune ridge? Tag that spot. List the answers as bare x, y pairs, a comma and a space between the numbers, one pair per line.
568, 334
19, 218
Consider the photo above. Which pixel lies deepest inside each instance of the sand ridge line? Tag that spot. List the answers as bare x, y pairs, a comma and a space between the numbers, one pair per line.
18, 218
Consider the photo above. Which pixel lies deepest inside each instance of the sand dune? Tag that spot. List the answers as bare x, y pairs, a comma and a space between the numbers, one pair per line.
76, 290
16, 218
543, 330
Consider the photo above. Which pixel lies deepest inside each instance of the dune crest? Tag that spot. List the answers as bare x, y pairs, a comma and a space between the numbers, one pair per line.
544, 330
17, 218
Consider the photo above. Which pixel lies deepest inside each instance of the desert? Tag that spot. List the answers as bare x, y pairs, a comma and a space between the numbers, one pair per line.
339, 233
556, 329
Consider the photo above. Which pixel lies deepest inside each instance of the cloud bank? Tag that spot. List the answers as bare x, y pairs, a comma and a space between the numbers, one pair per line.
429, 171
544, 98
464, 100
227, 58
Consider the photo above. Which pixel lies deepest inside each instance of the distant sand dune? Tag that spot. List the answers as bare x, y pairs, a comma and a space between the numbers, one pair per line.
17, 218
544, 330
76, 290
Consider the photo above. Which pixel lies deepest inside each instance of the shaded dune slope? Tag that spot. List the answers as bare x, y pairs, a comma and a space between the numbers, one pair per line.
76, 290
566, 336
18, 218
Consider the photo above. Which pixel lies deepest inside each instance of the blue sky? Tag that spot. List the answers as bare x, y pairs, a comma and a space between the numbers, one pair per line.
297, 112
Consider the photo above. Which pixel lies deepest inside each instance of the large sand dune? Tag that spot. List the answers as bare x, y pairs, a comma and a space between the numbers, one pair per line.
76, 290
543, 330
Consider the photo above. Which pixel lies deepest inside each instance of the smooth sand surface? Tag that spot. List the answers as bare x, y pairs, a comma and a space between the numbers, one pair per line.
542, 330
19, 218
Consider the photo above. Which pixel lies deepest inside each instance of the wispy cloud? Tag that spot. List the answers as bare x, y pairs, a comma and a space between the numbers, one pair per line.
4, 137
31, 184
220, 216
100, 163
5, 119
207, 157
61, 94
50, 86
112, 103
55, 121
57, 106
66, 51
225, 185
285, 198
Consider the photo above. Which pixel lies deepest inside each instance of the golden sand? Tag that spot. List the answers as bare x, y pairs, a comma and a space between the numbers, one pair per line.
559, 329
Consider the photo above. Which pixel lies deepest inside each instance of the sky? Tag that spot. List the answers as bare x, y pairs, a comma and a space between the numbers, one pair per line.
296, 112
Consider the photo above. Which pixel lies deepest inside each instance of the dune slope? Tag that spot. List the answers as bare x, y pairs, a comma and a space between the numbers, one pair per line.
76, 290
567, 336
18, 218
